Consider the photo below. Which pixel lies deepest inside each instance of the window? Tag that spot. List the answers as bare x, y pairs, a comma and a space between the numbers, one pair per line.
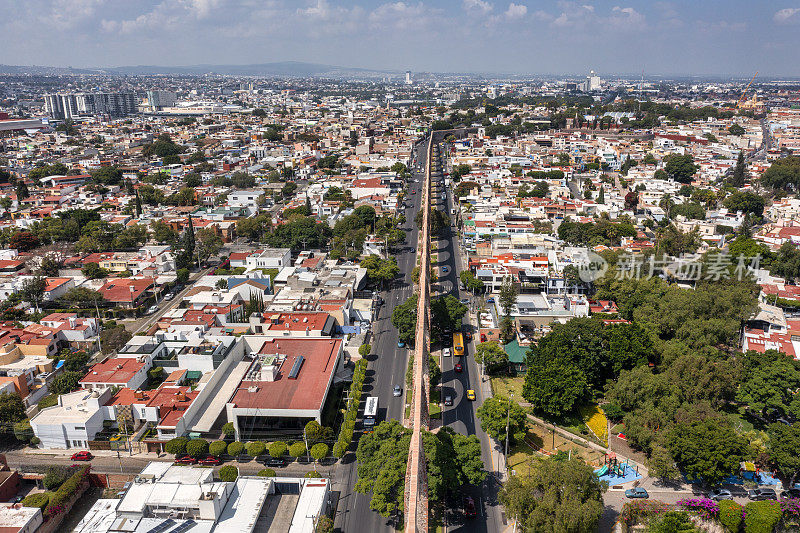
79, 428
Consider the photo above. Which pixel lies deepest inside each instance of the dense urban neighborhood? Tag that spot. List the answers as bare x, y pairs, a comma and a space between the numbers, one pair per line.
300, 304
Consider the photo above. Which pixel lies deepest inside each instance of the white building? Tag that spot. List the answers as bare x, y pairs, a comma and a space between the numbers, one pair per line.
169, 499
74, 421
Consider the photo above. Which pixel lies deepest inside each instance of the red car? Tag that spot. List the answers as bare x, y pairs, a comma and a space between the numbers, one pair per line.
458, 367
468, 336
81, 456
186, 460
211, 461
469, 507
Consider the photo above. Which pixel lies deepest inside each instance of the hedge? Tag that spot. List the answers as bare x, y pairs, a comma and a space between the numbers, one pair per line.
255, 448
66, 491
267, 472
278, 449
218, 448
351, 413
235, 448
762, 517
228, 473
730, 515
39, 500
298, 449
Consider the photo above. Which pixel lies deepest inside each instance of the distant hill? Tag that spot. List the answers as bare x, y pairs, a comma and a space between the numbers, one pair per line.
278, 69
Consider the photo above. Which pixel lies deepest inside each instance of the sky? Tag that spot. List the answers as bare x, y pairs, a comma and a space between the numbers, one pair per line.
683, 37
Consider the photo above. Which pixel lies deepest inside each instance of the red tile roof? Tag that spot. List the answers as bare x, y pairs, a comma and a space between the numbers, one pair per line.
119, 370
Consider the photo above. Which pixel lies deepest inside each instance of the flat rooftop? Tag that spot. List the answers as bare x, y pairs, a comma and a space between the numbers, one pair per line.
307, 391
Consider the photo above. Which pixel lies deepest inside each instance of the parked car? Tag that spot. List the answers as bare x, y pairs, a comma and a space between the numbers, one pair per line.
720, 494
397, 391
401, 344
81, 456
762, 494
471, 395
790, 493
169, 296
470, 509
211, 461
152, 309
458, 367
448, 400
445, 269
637, 492
468, 336
186, 460
446, 352
490, 300
275, 461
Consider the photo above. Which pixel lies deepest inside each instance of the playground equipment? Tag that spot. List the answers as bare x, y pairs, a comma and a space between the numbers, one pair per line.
614, 467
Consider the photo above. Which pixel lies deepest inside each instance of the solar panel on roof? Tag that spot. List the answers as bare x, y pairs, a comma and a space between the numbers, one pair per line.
189, 524
163, 526
296, 367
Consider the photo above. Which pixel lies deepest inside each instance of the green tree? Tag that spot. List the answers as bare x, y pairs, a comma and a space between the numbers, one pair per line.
736, 129
66, 382
228, 473
176, 446
784, 441
492, 355
12, 409
298, 449
746, 202
255, 448
783, 174
382, 457
497, 413
508, 295
197, 447
209, 243
739, 171
563, 496
708, 449
218, 448
278, 449
404, 318
554, 387
680, 168
235, 449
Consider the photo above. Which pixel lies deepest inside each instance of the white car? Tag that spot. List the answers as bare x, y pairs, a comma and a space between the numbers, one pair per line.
446, 352
153, 309
169, 296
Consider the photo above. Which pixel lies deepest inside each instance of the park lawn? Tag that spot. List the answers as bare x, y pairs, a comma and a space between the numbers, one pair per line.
505, 386
596, 421
434, 410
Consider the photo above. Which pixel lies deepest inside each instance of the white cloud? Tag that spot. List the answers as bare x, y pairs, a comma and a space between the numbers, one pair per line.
783, 16
516, 11
626, 17
477, 6
402, 15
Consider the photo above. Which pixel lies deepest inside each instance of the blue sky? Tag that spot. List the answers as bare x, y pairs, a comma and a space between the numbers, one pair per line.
702, 37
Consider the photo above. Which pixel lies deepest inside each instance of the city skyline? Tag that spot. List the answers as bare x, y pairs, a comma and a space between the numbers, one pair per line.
477, 36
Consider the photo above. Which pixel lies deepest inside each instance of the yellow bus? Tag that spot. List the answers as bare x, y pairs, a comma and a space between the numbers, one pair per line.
458, 344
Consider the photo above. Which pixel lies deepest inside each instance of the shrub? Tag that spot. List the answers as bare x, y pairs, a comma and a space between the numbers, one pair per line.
364, 350
35, 441
235, 448
313, 473
228, 473
55, 476
297, 449
228, 430
67, 490
704, 507
277, 449
197, 447
319, 451
23, 431
155, 373
267, 472
339, 449
324, 524
218, 448
39, 500
176, 446
761, 517
255, 448
730, 515
613, 411
634, 511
